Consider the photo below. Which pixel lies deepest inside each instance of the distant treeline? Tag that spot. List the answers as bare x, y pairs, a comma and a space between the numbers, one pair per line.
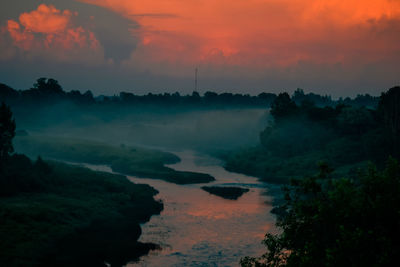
345, 137
348, 214
49, 91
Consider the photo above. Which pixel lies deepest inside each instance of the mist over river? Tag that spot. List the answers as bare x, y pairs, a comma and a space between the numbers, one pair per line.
199, 229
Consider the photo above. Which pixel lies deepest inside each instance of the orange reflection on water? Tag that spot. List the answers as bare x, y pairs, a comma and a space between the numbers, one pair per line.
212, 207
196, 227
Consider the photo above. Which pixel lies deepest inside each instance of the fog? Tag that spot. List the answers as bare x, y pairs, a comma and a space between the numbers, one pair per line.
170, 128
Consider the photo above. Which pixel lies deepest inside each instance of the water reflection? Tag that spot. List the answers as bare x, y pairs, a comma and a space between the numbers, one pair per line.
200, 229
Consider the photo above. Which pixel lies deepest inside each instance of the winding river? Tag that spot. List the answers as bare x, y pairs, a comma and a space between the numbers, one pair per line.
199, 229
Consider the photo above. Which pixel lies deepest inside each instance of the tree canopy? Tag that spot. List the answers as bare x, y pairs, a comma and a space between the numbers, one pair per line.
283, 106
338, 222
48, 86
7, 131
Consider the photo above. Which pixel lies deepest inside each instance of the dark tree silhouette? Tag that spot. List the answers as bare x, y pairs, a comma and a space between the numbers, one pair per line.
48, 86
7, 93
283, 107
7, 131
389, 110
337, 222
389, 107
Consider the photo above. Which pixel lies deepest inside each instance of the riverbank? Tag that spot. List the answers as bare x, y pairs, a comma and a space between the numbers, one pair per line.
142, 162
54, 214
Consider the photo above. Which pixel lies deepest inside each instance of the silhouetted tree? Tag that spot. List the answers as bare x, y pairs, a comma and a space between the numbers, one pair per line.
354, 120
7, 93
48, 86
338, 222
389, 110
196, 95
298, 96
7, 131
283, 107
389, 107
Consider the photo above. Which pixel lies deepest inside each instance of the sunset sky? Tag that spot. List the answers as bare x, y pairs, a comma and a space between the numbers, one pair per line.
332, 47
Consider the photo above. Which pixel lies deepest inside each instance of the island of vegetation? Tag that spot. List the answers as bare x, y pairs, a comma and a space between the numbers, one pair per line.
231, 192
53, 214
140, 162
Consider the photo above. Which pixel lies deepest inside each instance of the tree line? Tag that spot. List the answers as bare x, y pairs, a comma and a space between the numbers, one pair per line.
48, 90
351, 219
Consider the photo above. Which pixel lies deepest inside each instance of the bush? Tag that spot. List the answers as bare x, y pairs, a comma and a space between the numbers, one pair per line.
338, 222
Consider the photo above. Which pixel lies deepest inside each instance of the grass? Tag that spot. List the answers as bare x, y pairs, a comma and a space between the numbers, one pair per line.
275, 169
141, 162
61, 215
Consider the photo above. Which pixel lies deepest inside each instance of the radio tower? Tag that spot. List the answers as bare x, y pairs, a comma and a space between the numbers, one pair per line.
195, 79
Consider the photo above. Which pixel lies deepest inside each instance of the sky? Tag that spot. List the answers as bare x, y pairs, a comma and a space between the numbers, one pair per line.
334, 47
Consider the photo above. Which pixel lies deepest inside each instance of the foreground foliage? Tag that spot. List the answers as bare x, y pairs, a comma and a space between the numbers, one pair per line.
53, 214
338, 222
7, 131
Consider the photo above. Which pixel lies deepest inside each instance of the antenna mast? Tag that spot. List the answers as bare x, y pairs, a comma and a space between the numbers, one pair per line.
195, 79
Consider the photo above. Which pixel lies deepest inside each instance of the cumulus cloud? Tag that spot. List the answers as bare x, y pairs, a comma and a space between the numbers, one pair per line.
46, 19
48, 30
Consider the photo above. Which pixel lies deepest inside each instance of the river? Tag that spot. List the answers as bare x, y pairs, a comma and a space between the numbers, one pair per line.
199, 229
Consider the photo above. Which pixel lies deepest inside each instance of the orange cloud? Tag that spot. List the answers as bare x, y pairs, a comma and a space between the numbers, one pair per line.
46, 19
49, 28
259, 32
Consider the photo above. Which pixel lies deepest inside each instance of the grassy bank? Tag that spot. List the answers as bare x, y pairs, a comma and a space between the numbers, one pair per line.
256, 161
146, 163
53, 214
